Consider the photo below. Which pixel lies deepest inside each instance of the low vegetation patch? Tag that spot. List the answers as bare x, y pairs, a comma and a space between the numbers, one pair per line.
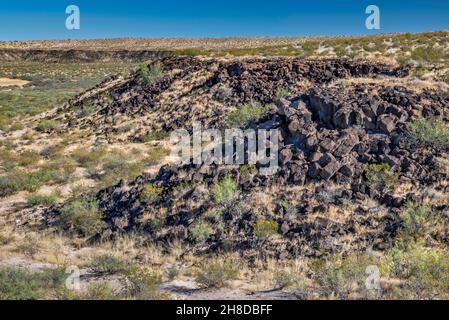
108, 264
431, 133
19, 180
156, 155
216, 274
250, 112
379, 176
201, 231
48, 126
225, 190
151, 193
82, 216
41, 200
20, 284
150, 74
264, 229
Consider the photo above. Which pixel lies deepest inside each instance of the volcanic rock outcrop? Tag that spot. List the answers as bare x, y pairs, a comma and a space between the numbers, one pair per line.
329, 135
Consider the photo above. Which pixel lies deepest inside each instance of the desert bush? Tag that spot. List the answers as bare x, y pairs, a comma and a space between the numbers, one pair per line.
201, 231
432, 133
48, 126
28, 246
101, 291
10, 160
26, 181
142, 283
82, 216
425, 270
247, 171
87, 110
27, 158
379, 176
446, 78
108, 264
155, 136
415, 217
173, 272
20, 284
156, 155
120, 171
250, 112
225, 190
86, 157
41, 200
428, 54
282, 92
264, 229
151, 74
215, 274
53, 151
151, 193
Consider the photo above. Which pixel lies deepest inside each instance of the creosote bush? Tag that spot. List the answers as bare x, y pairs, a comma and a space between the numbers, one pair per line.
21, 284
82, 216
19, 180
108, 264
215, 274
431, 133
250, 112
379, 176
416, 217
201, 231
282, 92
151, 193
41, 200
150, 74
225, 190
142, 283
48, 126
264, 229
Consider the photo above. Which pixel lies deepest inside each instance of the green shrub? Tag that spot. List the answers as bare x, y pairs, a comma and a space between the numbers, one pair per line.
108, 264
215, 274
87, 157
425, 270
101, 291
82, 216
87, 110
151, 193
20, 284
125, 171
247, 171
26, 181
155, 136
48, 126
264, 229
446, 78
415, 217
379, 176
156, 155
428, 54
225, 190
41, 200
150, 74
142, 283
250, 112
201, 231
282, 92
432, 133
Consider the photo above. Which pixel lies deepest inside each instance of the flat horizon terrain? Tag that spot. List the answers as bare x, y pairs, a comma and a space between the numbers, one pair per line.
179, 43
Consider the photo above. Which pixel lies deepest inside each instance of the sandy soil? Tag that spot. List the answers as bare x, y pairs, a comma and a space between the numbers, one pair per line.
6, 82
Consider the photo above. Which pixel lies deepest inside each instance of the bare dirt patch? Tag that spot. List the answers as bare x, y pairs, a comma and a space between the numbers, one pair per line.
6, 82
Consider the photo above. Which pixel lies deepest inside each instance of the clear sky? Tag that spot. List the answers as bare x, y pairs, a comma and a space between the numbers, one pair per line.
45, 19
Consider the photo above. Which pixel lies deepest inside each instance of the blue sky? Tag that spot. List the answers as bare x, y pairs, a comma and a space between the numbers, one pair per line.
45, 19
